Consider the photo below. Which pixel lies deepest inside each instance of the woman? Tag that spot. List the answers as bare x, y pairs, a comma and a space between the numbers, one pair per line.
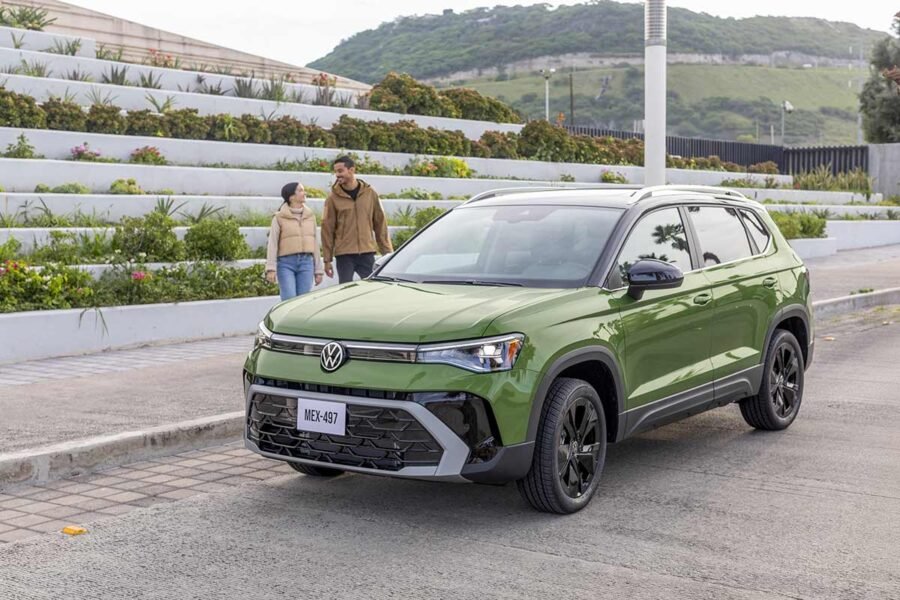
292, 255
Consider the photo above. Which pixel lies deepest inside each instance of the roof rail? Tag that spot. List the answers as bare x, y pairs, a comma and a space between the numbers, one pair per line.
648, 192
547, 188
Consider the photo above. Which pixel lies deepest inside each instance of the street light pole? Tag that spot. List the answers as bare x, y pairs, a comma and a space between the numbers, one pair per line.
786, 107
654, 92
547, 73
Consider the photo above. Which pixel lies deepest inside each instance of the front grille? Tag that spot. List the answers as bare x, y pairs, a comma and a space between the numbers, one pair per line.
330, 389
386, 439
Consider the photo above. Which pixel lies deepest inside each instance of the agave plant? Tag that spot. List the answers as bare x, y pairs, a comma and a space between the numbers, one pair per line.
206, 211
116, 76
161, 106
35, 69
104, 53
17, 42
151, 81
274, 89
97, 96
167, 206
245, 88
68, 47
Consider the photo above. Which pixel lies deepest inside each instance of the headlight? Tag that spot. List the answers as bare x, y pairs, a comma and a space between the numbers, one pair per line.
482, 356
263, 337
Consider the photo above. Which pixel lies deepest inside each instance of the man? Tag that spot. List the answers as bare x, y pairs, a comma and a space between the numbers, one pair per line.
353, 224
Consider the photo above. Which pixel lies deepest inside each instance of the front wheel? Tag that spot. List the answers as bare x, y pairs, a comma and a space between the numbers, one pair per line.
314, 471
569, 451
781, 391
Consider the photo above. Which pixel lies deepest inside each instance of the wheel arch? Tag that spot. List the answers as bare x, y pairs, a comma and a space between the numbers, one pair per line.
796, 319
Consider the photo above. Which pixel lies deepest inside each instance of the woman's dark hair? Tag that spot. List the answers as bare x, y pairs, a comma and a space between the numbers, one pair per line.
344, 160
289, 190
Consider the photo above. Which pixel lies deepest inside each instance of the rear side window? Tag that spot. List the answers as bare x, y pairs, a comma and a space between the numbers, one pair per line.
757, 230
660, 235
721, 234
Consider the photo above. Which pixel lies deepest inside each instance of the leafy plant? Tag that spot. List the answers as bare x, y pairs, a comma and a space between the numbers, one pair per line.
106, 118
439, 166
613, 177
156, 58
149, 80
54, 287
186, 123
288, 131
19, 110
146, 123
125, 187
274, 89
822, 178
422, 218
226, 128
148, 155
257, 129
25, 17
21, 149
245, 88
470, 104
9, 249
104, 53
207, 88
66, 188
84, 153
17, 42
97, 96
206, 211
325, 85
161, 106
799, 225
167, 206
215, 239
151, 236
64, 115
35, 69
77, 75
66, 47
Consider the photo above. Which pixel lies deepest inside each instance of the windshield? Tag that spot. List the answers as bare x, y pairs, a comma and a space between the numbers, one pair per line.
534, 246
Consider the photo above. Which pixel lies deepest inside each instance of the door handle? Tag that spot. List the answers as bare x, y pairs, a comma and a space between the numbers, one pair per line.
770, 282
702, 299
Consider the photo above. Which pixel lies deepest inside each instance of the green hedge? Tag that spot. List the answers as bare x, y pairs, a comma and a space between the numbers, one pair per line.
794, 225
538, 140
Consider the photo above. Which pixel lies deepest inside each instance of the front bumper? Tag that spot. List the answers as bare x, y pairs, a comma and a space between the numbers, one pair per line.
279, 444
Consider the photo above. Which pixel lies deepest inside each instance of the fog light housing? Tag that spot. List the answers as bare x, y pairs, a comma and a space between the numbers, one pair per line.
470, 418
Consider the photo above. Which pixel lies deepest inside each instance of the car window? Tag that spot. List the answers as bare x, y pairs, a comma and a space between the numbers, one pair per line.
658, 235
757, 230
720, 233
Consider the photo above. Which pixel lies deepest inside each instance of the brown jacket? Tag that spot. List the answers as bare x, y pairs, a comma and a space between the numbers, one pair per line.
348, 225
291, 233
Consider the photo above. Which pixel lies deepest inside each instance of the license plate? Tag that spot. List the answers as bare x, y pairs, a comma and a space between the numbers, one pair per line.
321, 417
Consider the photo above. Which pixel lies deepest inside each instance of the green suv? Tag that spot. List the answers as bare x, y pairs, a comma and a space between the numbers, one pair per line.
520, 333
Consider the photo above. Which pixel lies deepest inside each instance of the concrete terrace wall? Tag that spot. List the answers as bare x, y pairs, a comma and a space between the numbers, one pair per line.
168, 79
884, 168
58, 144
206, 104
39, 41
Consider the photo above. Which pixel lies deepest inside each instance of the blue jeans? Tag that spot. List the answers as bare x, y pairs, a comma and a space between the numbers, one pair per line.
295, 274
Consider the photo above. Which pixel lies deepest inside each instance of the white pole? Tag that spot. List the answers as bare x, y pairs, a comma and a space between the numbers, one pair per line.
546, 98
655, 92
782, 123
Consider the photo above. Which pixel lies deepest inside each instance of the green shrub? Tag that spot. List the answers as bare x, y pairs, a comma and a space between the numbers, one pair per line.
148, 155
768, 168
216, 239
186, 124
472, 105
501, 145
150, 237
106, 118
54, 287
64, 115
613, 177
401, 93
448, 143
146, 123
69, 248
66, 188
288, 131
19, 110
351, 133
795, 225
226, 128
21, 149
9, 249
439, 166
257, 129
423, 217
125, 186
320, 138
539, 140
822, 178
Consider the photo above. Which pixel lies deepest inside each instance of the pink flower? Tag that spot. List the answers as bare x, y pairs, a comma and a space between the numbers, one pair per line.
138, 276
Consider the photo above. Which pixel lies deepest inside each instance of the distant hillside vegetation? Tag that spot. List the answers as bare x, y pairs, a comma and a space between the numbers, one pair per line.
436, 45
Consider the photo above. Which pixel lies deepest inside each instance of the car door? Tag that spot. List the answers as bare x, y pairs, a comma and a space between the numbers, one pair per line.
745, 291
666, 360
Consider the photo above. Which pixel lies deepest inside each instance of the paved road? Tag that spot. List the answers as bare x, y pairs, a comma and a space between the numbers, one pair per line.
853, 270
706, 508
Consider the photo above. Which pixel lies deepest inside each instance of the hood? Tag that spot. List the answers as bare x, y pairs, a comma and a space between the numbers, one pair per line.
400, 312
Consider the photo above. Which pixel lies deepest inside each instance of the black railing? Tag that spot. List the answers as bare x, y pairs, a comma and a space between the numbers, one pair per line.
840, 159
742, 153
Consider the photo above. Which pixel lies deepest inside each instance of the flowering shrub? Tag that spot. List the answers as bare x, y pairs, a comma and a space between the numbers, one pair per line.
155, 58
439, 166
83, 152
54, 287
148, 155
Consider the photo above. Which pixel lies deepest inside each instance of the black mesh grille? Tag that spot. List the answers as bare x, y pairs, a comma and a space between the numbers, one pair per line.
388, 439
330, 389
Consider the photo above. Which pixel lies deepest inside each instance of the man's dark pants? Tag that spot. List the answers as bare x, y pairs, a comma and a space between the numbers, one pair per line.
348, 264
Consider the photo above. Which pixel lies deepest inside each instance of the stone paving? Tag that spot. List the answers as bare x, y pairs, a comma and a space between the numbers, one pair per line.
27, 511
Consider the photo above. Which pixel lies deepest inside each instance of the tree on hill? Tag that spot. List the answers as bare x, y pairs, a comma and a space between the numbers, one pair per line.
880, 98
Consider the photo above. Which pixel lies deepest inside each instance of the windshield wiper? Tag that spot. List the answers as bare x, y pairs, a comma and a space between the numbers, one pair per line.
394, 279
475, 282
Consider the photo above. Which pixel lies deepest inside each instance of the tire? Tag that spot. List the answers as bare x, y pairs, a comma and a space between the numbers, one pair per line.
314, 471
776, 405
584, 453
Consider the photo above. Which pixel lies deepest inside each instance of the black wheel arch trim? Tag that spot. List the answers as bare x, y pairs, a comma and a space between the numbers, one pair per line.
789, 311
571, 359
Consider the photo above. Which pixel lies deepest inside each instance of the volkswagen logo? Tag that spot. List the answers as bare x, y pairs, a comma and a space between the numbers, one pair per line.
333, 356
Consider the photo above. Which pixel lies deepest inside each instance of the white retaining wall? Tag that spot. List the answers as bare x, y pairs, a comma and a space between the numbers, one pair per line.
113, 207
168, 79
835, 209
39, 41
130, 98
49, 333
22, 175
800, 196
864, 234
58, 145
814, 248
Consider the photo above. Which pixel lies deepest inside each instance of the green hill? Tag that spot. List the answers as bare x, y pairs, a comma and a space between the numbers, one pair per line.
721, 102
436, 45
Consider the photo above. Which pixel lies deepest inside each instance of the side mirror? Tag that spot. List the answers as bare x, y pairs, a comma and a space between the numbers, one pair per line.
652, 274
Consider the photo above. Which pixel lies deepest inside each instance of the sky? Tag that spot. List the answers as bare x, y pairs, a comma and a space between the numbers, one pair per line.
300, 31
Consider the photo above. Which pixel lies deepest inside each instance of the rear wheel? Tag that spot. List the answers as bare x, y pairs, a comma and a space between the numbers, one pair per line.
569, 451
313, 470
778, 401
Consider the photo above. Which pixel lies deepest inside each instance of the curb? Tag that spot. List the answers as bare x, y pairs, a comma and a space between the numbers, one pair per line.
78, 457
845, 304
84, 456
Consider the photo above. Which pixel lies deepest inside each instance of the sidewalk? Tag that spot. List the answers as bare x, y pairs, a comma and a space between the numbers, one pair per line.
853, 270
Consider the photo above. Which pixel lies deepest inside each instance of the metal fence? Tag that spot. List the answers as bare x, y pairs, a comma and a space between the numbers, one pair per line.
840, 159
